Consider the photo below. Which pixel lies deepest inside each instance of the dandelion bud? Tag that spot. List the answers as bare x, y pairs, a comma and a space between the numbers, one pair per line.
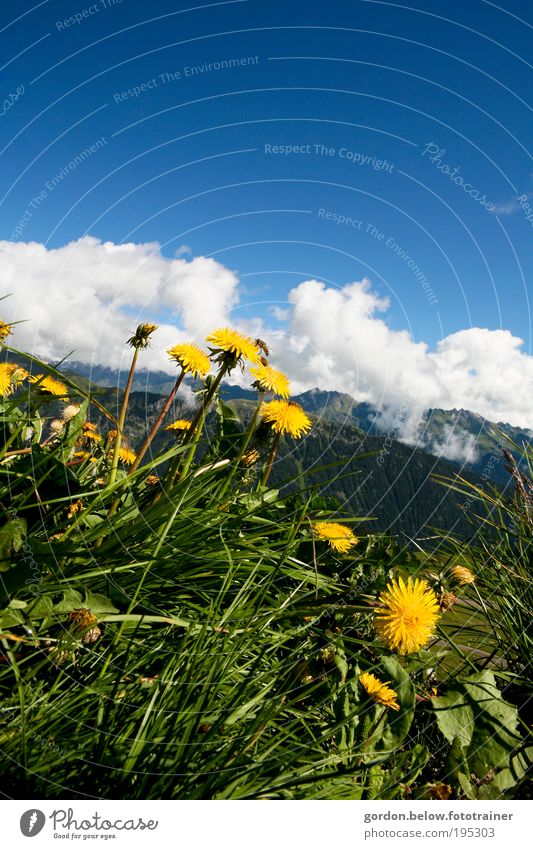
141, 337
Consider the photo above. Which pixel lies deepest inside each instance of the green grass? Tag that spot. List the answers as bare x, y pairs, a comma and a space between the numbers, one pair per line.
193, 638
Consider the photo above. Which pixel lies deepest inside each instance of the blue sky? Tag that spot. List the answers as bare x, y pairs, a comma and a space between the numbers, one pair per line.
385, 106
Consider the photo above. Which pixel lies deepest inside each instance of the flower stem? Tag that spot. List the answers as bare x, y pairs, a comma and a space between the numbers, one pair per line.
196, 424
122, 419
244, 446
157, 424
374, 727
270, 461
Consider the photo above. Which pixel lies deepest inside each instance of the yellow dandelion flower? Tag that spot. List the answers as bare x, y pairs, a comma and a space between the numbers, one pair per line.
5, 330
286, 417
10, 375
89, 427
126, 456
84, 455
111, 435
90, 436
408, 615
271, 380
180, 425
463, 576
5, 379
75, 507
379, 691
85, 622
191, 358
339, 537
250, 458
227, 341
50, 385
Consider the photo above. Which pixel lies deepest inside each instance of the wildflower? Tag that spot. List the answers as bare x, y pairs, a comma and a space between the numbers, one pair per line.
463, 576
230, 342
89, 427
250, 458
5, 379
379, 691
141, 337
75, 507
5, 330
85, 622
180, 425
269, 379
70, 412
56, 426
408, 615
151, 480
126, 456
286, 417
49, 385
191, 358
91, 436
339, 537
84, 455
111, 435
10, 375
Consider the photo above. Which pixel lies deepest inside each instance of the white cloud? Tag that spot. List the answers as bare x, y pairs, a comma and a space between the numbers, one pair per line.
88, 296
509, 207
339, 340
453, 444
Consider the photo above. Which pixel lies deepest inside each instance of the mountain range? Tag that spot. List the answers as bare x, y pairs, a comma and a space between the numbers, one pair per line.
469, 441
392, 484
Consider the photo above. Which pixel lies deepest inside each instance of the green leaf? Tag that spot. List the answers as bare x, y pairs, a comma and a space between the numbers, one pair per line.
11, 537
397, 723
520, 764
455, 717
71, 600
98, 604
474, 711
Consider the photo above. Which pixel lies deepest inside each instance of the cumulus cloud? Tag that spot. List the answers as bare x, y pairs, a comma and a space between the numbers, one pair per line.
89, 295
338, 339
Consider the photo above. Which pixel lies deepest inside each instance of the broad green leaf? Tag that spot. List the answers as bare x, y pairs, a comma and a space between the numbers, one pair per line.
71, 600
474, 711
98, 604
397, 723
455, 717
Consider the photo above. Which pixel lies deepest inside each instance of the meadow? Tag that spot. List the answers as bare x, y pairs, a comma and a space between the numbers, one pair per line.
172, 625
